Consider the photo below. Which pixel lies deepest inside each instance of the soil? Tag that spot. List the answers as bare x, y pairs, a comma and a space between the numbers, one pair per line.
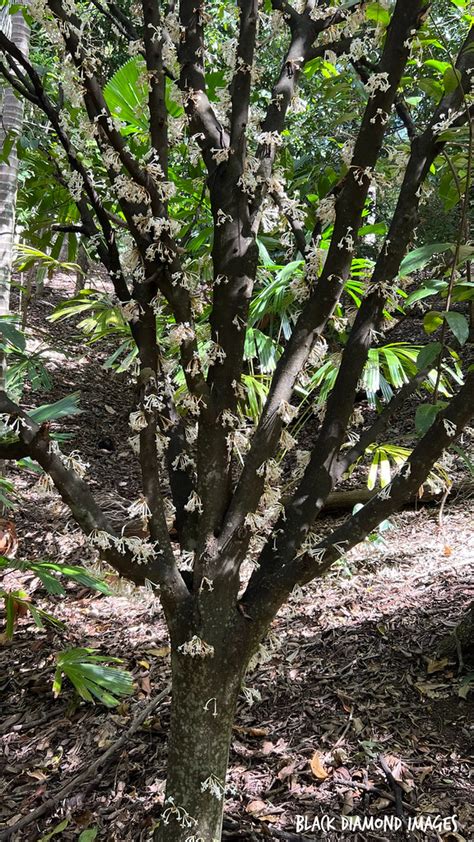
348, 684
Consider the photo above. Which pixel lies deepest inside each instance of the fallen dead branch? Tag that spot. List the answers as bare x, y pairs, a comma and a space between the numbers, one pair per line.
340, 500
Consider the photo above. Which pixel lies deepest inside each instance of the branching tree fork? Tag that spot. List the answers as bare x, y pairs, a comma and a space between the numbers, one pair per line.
216, 619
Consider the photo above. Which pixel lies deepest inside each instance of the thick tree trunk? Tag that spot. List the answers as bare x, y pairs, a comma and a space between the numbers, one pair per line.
204, 696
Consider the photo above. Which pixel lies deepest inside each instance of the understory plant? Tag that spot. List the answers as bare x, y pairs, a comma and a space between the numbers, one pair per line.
252, 135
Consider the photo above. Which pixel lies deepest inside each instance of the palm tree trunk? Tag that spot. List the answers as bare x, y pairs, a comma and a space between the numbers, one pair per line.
11, 124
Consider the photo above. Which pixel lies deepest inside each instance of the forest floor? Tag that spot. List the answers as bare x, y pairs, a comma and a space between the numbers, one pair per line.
349, 681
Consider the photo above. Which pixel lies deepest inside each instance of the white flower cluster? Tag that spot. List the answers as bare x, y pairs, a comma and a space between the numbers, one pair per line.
74, 462
380, 115
191, 403
270, 139
142, 551
75, 184
140, 508
360, 47
220, 154
214, 786
194, 503
347, 241
320, 13
326, 210
315, 260
129, 190
361, 173
182, 462
222, 218
377, 82
45, 484
251, 695
249, 179
264, 653
181, 333
347, 152
445, 121
196, 648
318, 352
302, 461
287, 442
299, 288
450, 427
179, 814
137, 421
131, 310
13, 424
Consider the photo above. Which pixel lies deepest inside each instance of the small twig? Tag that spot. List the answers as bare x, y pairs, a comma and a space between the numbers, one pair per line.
90, 770
374, 790
441, 511
458, 652
397, 790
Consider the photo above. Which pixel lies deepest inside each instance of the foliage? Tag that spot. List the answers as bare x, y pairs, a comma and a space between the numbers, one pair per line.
18, 602
91, 676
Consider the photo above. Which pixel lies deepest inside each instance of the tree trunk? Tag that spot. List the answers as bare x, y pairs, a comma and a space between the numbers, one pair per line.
204, 697
461, 640
11, 123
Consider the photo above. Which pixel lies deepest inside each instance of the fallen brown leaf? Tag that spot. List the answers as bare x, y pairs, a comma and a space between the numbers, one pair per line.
317, 767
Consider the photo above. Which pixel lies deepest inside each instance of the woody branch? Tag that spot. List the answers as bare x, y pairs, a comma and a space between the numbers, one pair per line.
348, 211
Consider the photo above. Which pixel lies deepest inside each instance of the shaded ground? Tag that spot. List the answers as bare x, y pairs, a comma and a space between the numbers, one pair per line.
350, 673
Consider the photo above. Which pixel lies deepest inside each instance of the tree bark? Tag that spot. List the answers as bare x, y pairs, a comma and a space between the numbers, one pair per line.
11, 123
461, 640
204, 697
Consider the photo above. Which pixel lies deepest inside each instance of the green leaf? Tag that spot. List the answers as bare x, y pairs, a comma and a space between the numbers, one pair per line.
433, 88
372, 478
58, 829
418, 258
12, 335
425, 415
432, 321
459, 326
434, 287
428, 354
44, 571
451, 79
10, 610
88, 835
466, 685
8, 144
91, 677
379, 228
53, 411
378, 13
125, 94
440, 66
465, 458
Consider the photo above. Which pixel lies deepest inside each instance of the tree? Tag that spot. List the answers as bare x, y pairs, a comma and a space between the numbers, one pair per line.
123, 170
10, 128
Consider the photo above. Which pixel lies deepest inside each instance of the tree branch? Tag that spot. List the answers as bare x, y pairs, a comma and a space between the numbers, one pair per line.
349, 207
76, 494
269, 586
322, 471
241, 83
203, 122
